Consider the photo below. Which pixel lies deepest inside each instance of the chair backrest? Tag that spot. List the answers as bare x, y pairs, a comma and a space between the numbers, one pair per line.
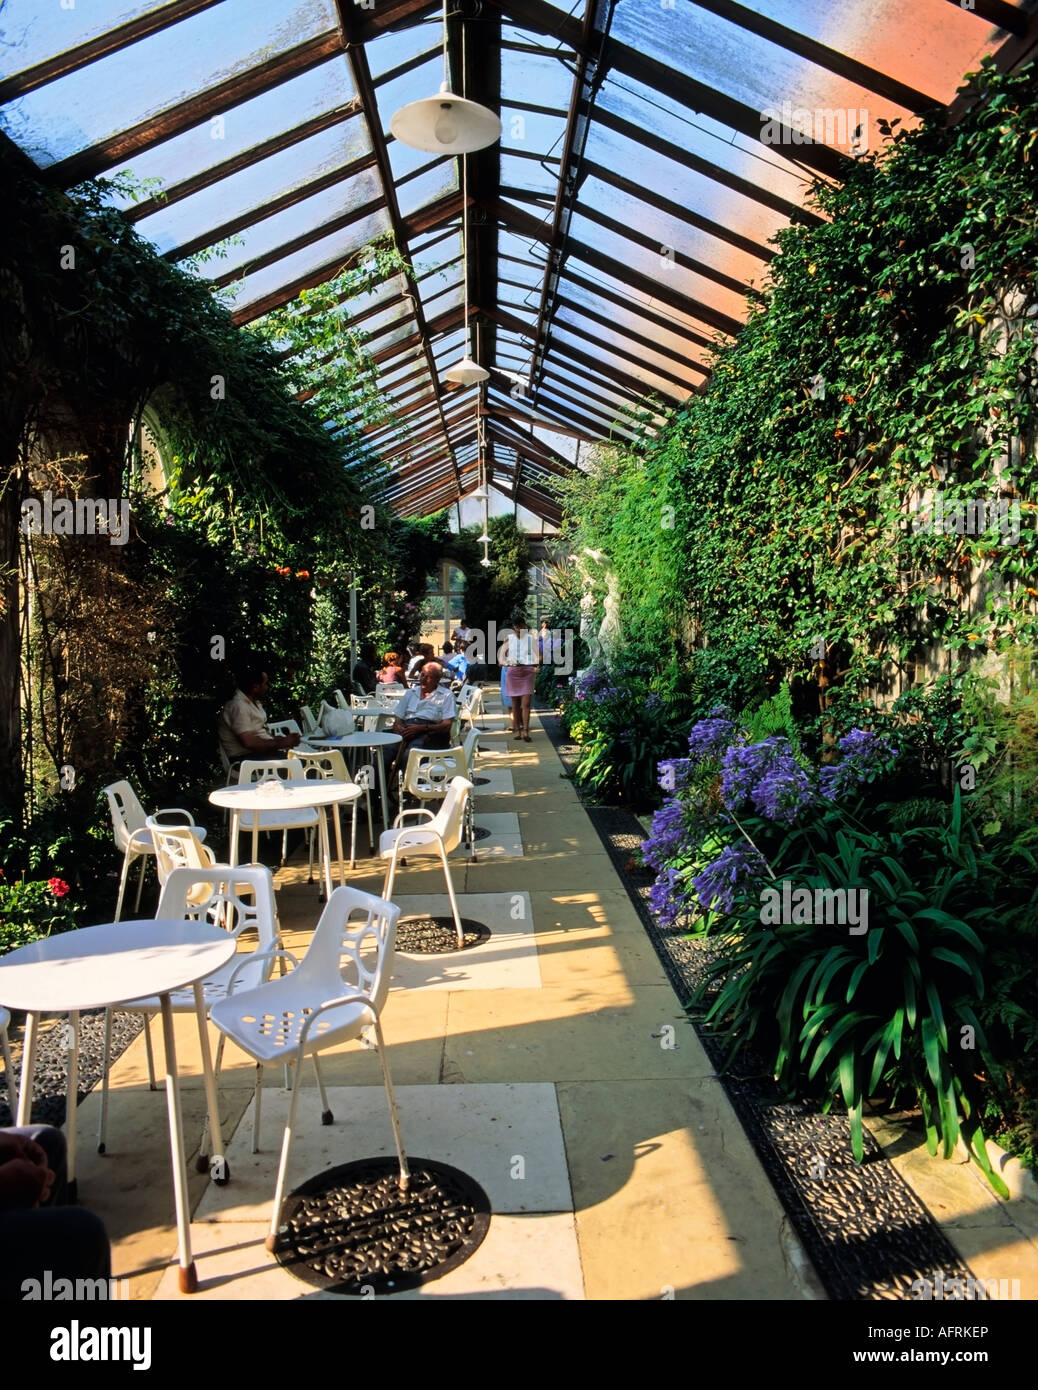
259, 769
361, 701
177, 847
449, 821
340, 699
306, 714
284, 726
329, 764
354, 939
216, 895
429, 771
127, 812
468, 745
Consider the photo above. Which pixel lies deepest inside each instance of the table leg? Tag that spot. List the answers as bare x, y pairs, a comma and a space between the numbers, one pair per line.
32, 1029
382, 788
217, 1162
326, 854
232, 856
71, 1092
338, 843
188, 1277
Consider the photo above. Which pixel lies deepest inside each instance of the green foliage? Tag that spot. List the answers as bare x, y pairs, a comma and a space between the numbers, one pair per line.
845, 1015
502, 590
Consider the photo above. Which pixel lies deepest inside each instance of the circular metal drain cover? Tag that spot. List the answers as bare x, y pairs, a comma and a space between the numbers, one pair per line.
352, 1231
438, 936
480, 781
480, 832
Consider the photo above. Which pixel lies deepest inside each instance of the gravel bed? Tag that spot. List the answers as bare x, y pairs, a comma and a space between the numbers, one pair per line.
50, 1085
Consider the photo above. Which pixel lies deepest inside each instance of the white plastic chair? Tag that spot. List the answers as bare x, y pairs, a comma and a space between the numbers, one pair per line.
284, 726
177, 847
340, 699
206, 895
230, 768
440, 834
310, 724
338, 990
257, 770
331, 765
470, 704
132, 835
5, 1048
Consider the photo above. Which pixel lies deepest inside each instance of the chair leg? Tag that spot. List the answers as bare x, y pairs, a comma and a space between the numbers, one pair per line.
12, 1090
153, 1085
203, 1143
140, 882
102, 1123
450, 894
405, 1172
353, 838
256, 1108
371, 827
326, 1111
310, 847
122, 886
286, 1145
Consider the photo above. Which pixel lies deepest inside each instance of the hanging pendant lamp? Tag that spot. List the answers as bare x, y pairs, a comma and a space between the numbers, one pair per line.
445, 123
467, 372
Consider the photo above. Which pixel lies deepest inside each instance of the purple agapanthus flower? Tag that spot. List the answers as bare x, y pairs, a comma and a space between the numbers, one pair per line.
669, 836
865, 756
673, 773
744, 766
783, 792
653, 702
723, 881
667, 899
712, 735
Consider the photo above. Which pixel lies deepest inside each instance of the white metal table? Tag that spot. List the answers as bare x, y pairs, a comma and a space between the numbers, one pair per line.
365, 740
312, 793
98, 967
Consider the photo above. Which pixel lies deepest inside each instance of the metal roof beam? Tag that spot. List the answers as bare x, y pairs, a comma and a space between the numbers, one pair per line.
999, 13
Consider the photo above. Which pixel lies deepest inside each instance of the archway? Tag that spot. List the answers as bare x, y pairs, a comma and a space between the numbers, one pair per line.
444, 604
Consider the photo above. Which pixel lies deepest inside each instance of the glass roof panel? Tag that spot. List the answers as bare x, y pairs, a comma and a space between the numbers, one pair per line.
756, 72
617, 339
126, 87
523, 74
32, 35
338, 247
254, 186
443, 253
422, 81
532, 130
390, 50
941, 43
283, 227
529, 173
427, 188
252, 122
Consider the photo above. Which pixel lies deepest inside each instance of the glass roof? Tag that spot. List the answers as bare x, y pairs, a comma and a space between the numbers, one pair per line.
616, 230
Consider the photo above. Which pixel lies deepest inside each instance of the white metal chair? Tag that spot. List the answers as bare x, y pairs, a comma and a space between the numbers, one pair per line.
132, 835
338, 989
331, 765
206, 895
177, 847
5, 1048
258, 770
440, 834
470, 704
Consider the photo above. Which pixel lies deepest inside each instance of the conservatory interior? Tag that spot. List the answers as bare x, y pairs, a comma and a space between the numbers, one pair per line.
519, 631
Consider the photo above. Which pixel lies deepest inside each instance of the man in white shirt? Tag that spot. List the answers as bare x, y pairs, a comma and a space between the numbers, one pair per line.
424, 716
243, 720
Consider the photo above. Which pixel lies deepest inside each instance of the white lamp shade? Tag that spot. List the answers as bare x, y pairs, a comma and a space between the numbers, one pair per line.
485, 562
445, 124
484, 539
466, 372
481, 493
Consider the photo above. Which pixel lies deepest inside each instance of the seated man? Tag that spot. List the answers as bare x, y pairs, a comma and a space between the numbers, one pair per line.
243, 720
424, 716
364, 670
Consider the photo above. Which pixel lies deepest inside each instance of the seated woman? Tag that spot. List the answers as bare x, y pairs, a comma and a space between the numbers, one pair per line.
392, 673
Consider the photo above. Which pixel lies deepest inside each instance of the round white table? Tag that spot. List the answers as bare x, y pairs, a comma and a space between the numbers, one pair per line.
278, 794
364, 740
97, 967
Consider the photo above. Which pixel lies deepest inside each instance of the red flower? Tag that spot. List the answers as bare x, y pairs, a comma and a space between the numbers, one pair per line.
58, 887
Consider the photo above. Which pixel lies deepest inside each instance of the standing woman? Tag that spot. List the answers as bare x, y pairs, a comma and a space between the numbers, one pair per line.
521, 662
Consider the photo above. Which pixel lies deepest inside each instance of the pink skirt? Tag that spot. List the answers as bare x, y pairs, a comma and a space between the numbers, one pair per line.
519, 680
